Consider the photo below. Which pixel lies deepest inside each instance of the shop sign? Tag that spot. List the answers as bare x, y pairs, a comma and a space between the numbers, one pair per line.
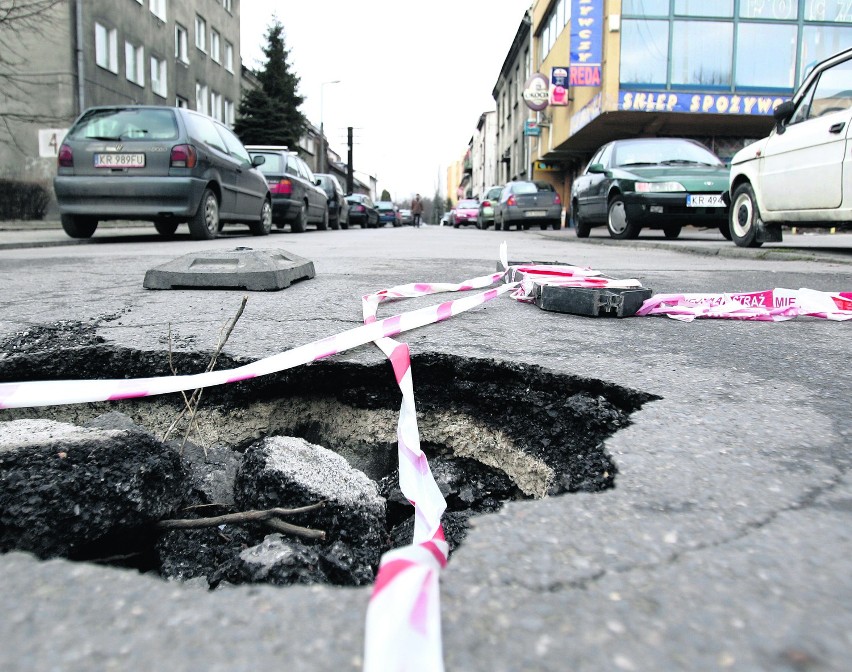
531, 128
697, 103
586, 43
545, 167
559, 86
536, 92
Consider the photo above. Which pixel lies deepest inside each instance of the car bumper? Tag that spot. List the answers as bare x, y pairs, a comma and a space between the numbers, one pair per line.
667, 209
284, 209
531, 214
128, 197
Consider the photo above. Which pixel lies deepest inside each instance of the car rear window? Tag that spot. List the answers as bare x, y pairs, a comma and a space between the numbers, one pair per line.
524, 188
468, 204
274, 164
126, 124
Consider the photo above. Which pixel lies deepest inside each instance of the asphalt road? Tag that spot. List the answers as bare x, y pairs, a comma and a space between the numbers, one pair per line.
725, 545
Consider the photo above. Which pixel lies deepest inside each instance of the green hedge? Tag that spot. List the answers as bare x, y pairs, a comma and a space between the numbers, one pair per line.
22, 200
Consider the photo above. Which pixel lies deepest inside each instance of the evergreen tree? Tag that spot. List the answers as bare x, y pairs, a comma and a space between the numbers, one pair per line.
270, 115
385, 195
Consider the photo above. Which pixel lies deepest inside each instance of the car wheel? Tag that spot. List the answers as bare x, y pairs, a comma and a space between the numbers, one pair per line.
671, 232
725, 230
79, 227
498, 226
301, 221
556, 224
543, 226
744, 215
204, 224
322, 225
344, 225
334, 224
619, 226
166, 227
581, 226
264, 225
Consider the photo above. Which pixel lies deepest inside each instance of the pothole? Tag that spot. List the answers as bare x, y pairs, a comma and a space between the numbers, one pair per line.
492, 432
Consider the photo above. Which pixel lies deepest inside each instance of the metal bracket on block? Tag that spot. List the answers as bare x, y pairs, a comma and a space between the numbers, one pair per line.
593, 302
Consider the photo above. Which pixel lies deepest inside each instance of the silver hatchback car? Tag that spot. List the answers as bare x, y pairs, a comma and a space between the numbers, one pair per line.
166, 165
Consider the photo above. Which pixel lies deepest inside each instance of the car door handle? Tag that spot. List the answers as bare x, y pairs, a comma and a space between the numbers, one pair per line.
836, 128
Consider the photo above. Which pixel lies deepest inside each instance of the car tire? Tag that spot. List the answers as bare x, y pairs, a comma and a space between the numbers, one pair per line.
344, 225
79, 227
620, 227
498, 226
301, 222
322, 225
263, 226
166, 227
581, 226
671, 232
725, 230
556, 224
334, 224
204, 224
744, 216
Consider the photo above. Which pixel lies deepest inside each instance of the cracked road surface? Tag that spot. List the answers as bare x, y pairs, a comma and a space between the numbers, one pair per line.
725, 544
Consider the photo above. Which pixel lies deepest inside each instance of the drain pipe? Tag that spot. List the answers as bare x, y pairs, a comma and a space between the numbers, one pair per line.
81, 79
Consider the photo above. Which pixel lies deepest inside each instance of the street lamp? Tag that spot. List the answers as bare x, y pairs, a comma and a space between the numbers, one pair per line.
323, 152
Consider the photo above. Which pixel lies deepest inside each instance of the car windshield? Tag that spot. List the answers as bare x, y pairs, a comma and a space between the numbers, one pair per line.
662, 152
468, 203
126, 124
524, 188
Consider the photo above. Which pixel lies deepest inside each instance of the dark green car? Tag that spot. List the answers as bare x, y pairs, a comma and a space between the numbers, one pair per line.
654, 183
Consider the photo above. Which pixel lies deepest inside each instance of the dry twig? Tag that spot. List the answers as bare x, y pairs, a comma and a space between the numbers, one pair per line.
269, 517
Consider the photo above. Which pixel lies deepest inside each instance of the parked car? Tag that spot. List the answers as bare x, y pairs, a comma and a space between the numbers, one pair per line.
523, 203
465, 212
405, 217
388, 213
656, 183
161, 164
362, 211
485, 216
297, 199
338, 208
799, 174
445, 218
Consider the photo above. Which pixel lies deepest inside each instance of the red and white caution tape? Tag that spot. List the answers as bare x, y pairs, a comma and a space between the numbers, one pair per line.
769, 305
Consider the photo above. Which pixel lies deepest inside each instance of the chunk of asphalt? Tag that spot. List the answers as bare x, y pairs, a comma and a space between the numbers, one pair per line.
241, 268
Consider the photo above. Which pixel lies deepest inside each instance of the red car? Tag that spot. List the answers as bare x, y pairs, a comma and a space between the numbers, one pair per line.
466, 212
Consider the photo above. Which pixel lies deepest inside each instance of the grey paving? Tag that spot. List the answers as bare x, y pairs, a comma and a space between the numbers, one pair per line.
725, 545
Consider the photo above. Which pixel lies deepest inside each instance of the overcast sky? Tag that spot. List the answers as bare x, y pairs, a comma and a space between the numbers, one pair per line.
414, 76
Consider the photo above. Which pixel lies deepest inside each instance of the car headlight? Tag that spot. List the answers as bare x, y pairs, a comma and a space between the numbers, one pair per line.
646, 187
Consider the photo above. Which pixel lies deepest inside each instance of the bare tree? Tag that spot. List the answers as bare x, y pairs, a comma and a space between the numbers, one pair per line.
21, 17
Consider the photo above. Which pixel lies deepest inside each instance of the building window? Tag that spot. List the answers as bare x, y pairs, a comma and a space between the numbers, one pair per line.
760, 9
200, 33
719, 8
820, 42
229, 56
134, 63
201, 98
214, 44
702, 54
106, 48
644, 52
828, 10
181, 43
228, 112
181, 102
216, 105
228, 5
159, 82
158, 9
753, 68
645, 7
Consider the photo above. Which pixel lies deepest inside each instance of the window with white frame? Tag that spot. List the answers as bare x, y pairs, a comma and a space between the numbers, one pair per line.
181, 102
228, 112
134, 63
216, 105
228, 5
201, 98
200, 33
229, 56
181, 43
214, 44
106, 47
159, 81
158, 8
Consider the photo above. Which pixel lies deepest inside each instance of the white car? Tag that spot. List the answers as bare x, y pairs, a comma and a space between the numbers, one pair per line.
801, 174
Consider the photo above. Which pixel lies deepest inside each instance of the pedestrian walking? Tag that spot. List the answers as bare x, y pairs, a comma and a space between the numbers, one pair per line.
416, 210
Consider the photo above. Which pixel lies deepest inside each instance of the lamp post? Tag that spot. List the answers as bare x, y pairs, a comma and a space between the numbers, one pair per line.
323, 153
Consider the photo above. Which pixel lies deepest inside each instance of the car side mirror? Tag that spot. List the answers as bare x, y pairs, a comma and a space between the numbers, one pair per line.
782, 114
596, 168
258, 160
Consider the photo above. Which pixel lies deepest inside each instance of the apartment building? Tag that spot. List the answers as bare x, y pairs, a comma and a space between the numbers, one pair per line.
102, 52
483, 154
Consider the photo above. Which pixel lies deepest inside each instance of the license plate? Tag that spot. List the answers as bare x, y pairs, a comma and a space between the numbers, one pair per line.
704, 201
114, 160
535, 213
